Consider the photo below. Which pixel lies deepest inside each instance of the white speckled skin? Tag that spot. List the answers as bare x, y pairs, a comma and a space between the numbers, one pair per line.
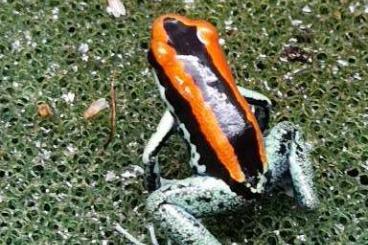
287, 153
177, 207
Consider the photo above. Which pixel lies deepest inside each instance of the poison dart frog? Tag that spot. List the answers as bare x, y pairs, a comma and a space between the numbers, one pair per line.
234, 156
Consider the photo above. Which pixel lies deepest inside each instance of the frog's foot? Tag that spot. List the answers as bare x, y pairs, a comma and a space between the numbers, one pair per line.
288, 157
177, 206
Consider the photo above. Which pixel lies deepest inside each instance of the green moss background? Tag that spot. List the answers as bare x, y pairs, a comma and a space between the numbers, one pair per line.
58, 185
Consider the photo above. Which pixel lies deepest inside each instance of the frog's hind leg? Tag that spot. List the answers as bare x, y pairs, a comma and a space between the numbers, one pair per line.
288, 157
176, 207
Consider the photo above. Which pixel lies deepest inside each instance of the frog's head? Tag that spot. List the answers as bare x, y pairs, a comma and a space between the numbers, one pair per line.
169, 25
176, 34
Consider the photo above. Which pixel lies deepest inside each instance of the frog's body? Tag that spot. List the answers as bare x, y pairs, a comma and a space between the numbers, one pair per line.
229, 155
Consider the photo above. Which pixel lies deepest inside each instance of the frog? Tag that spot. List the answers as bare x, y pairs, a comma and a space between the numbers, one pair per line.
235, 156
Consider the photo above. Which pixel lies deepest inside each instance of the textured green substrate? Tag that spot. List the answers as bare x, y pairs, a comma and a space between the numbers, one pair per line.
57, 185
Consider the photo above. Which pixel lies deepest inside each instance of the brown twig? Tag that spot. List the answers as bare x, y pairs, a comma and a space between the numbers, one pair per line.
112, 111
127, 235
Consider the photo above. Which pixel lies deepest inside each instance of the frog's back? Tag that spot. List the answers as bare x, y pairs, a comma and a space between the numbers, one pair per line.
197, 84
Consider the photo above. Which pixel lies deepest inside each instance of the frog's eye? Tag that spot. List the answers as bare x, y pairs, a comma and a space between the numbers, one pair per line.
206, 32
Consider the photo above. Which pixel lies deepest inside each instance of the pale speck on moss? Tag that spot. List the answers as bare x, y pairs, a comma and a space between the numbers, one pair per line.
68, 97
16, 46
342, 62
301, 238
296, 22
189, 3
71, 150
222, 41
110, 176
116, 8
353, 7
55, 13
83, 48
306, 9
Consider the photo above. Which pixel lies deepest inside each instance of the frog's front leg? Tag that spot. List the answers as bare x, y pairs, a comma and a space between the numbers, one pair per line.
177, 207
288, 157
152, 170
260, 104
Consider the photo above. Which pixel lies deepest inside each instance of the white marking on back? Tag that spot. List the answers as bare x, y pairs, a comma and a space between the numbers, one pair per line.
206, 74
231, 122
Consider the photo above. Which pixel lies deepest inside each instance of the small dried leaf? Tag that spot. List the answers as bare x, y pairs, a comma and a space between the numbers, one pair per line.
95, 108
296, 54
44, 110
116, 8
336, 14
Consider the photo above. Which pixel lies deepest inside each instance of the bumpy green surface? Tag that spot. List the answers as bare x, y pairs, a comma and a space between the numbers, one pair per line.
55, 179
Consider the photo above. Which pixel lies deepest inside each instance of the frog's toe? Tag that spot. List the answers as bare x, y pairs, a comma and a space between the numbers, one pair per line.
308, 200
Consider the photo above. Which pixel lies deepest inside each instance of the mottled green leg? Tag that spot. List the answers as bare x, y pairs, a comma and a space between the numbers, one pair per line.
288, 157
176, 207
